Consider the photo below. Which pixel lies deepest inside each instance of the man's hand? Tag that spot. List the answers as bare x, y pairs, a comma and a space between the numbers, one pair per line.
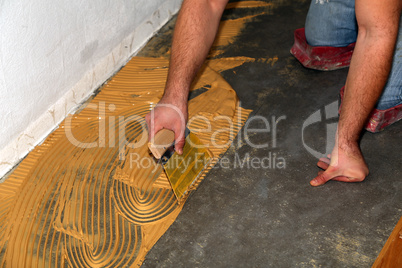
169, 114
195, 30
344, 164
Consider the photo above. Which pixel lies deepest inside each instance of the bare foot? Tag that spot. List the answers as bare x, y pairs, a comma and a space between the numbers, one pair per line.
346, 163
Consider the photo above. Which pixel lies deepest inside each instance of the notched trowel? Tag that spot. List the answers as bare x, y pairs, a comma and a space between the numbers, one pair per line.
183, 170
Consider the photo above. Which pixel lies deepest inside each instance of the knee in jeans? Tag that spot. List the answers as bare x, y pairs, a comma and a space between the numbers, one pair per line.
331, 24
325, 33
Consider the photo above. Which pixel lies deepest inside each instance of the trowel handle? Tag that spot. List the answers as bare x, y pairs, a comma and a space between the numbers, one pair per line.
161, 142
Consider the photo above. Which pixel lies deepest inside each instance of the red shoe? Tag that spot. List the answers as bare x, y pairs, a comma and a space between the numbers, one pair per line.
379, 119
320, 58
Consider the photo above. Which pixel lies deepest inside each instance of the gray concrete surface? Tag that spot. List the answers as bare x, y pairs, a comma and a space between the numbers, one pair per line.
272, 217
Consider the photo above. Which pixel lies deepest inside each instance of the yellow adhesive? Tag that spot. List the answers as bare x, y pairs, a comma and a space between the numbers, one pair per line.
88, 207
229, 29
224, 64
247, 4
78, 200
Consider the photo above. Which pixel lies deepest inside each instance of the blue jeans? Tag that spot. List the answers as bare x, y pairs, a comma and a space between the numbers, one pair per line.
333, 23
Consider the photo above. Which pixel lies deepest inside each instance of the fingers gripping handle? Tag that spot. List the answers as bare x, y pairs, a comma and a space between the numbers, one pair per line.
161, 142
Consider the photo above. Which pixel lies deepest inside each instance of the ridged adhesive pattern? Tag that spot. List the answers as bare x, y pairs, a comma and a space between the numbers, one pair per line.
91, 195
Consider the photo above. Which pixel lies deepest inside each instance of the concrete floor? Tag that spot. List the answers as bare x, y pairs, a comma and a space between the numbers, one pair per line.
272, 217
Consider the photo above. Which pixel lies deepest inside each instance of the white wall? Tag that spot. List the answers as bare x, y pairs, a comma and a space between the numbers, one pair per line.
55, 53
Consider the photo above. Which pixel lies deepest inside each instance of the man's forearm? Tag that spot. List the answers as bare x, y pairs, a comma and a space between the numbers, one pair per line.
369, 68
195, 31
368, 73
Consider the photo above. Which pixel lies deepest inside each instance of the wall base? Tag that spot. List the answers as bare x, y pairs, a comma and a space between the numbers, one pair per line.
36, 132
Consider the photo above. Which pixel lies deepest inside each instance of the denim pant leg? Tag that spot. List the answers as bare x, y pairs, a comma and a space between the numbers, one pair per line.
392, 94
331, 23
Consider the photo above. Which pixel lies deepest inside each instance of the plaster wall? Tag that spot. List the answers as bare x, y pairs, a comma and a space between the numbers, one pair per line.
55, 53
